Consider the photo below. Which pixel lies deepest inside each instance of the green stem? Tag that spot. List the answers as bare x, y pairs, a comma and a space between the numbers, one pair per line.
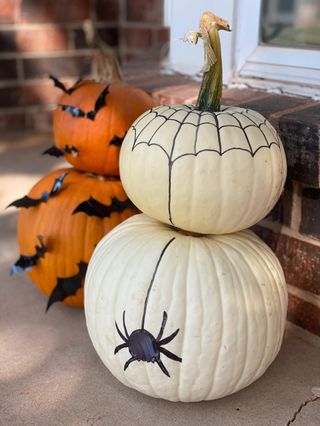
211, 88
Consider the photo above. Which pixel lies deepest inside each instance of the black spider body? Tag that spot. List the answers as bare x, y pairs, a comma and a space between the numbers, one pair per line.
143, 346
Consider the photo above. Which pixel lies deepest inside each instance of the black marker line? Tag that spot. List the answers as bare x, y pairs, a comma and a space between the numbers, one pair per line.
152, 281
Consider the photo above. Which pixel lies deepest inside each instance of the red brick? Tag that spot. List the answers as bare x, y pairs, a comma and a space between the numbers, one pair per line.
282, 211
138, 38
236, 97
107, 10
12, 121
300, 259
109, 36
54, 11
161, 36
39, 94
42, 40
8, 69
183, 93
59, 66
304, 314
9, 96
7, 41
273, 103
145, 11
39, 121
310, 212
7, 11
300, 133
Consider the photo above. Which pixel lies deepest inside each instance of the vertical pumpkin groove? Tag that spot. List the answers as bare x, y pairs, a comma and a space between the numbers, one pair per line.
264, 271
202, 312
257, 258
216, 363
245, 318
238, 309
279, 278
241, 326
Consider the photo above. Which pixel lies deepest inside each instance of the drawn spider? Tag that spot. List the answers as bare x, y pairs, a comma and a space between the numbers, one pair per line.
143, 346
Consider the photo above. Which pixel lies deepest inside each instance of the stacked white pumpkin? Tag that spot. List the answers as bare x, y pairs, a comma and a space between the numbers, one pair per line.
182, 302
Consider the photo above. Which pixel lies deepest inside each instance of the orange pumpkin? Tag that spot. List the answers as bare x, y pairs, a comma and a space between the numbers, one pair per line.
71, 217
91, 120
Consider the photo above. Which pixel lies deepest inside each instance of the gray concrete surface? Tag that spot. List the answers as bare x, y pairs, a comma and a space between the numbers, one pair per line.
51, 375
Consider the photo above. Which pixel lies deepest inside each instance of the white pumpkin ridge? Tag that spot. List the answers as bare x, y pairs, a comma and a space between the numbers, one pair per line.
142, 345
226, 293
189, 136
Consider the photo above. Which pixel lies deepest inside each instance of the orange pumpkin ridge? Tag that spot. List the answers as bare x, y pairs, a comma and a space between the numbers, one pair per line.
93, 138
68, 238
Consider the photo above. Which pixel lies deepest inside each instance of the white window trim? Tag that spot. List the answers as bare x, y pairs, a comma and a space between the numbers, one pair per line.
283, 70
289, 66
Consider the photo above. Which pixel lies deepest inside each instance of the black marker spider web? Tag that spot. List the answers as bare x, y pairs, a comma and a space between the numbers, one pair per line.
181, 116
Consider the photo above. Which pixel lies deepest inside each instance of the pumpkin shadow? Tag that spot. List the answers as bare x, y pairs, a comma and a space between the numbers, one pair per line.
21, 154
67, 383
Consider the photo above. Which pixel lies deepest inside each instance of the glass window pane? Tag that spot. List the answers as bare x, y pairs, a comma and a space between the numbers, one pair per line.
292, 23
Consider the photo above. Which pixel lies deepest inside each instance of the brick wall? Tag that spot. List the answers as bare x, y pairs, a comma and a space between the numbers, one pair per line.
292, 229
42, 37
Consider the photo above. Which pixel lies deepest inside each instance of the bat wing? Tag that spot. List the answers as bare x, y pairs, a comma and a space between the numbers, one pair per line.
119, 206
25, 263
74, 111
67, 286
93, 207
26, 202
116, 141
57, 184
59, 84
75, 86
71, 150
54, 151
101, 101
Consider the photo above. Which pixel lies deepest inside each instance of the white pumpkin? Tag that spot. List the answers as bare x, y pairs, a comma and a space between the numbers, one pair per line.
204, 172
220, 301
204, 168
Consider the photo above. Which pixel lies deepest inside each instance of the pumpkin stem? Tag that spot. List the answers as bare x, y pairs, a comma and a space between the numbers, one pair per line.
110, 61
211, 88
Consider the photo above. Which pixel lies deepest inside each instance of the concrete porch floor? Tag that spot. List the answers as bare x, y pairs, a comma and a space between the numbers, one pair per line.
51, 375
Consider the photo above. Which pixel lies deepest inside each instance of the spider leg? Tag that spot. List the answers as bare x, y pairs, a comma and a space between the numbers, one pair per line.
118, 348
168, 339
162, 367
120, 334
170, 354
126, 365
124, 324
164, 321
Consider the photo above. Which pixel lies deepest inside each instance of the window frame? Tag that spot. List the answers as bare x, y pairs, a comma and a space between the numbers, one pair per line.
274, 63
246, 61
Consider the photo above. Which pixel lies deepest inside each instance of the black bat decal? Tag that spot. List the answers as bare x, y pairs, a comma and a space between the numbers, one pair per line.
92, 207
54, 151
67, 286
33, 202
77, 112
117, 141
61, 86
57, 152
25, 263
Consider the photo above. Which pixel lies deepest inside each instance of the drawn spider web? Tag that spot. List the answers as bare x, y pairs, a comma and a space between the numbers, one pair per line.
186, 120
181, 131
